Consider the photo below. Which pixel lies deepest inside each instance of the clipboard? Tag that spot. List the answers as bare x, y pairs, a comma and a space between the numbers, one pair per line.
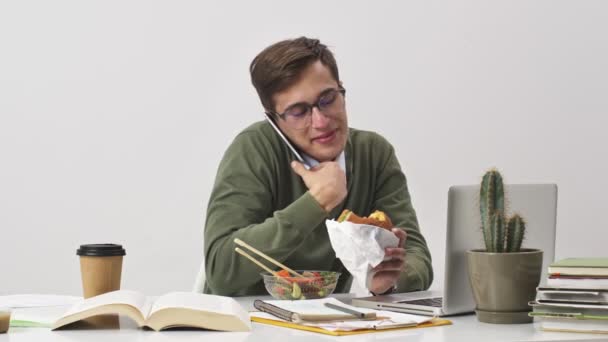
435, 322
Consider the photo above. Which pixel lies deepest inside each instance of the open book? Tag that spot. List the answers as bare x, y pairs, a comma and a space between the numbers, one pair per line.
175, 309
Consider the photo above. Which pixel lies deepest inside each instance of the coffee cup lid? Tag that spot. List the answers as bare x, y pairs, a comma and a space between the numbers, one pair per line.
101, 249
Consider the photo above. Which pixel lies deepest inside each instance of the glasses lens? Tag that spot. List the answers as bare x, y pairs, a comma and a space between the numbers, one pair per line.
331, 102
327, 99
296, 115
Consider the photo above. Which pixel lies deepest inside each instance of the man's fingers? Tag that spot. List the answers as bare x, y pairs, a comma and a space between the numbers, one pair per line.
298, 168
388, 274
401, 234
395, 260
394, 253
389, 265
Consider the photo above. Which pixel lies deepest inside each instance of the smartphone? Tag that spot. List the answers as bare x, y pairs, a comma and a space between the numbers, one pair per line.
284, 138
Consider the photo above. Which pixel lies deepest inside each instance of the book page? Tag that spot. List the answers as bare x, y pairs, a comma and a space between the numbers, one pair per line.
128, 297
191, 309
199, 301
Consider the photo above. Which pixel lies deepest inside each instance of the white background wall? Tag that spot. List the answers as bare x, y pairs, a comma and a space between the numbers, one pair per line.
115, 114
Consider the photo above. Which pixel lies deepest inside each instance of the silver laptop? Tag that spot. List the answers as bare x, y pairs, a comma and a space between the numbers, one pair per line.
536, 203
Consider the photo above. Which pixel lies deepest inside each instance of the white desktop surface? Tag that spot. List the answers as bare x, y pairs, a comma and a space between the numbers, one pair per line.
463, 328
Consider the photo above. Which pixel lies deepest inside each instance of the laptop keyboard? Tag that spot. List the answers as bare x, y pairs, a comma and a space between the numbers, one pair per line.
434, 302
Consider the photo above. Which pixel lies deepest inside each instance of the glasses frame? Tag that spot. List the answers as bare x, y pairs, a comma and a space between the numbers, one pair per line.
310, 107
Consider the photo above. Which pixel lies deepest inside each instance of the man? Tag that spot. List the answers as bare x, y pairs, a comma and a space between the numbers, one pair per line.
267, 199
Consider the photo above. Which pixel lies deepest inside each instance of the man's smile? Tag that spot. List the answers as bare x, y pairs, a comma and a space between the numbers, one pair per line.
325, 138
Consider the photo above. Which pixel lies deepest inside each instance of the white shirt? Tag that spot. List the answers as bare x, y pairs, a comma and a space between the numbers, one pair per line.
312, 162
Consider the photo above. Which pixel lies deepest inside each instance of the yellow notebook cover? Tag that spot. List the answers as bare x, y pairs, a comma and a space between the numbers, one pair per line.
435, 322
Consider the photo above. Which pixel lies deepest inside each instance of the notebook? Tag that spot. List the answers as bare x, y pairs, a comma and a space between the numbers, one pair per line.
312, 310
580, 267
537, 203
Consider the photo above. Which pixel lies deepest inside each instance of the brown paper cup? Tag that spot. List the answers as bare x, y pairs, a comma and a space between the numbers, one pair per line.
5, 318
100, 268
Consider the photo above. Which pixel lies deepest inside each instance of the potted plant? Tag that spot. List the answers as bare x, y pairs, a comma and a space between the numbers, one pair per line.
503, 276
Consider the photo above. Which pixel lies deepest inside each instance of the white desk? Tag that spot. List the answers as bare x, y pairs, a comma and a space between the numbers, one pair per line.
464, 328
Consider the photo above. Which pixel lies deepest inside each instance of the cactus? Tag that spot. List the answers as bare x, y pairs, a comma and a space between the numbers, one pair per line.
497, 229
515, 233
491, 200
500, 234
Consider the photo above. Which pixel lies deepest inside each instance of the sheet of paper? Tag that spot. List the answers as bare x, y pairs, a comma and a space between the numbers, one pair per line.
37, 316
360, 247
37, 300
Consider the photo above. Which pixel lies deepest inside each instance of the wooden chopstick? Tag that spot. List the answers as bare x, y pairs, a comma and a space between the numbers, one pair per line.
244, 244
243, 253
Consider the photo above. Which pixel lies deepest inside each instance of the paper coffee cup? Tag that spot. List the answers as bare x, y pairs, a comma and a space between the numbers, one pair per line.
100, 268
5, 319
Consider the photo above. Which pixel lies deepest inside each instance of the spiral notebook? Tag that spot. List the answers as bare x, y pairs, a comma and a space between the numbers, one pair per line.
312, 310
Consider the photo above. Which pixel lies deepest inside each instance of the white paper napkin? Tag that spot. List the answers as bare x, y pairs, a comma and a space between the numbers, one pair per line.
360, 247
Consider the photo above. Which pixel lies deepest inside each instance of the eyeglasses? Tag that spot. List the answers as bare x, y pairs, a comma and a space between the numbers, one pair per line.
299, 115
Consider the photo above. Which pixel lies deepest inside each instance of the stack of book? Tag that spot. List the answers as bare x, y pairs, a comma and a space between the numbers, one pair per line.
575, 298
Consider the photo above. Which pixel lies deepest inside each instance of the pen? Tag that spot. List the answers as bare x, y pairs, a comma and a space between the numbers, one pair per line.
346, 310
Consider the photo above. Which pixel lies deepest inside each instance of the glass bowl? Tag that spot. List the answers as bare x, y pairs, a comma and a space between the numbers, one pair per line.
314, 285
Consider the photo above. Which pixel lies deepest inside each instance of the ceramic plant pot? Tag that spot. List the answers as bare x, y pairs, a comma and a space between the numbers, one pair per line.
504, 283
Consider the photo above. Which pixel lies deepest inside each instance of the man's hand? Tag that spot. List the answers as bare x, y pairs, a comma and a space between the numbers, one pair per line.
387, 272
326, 182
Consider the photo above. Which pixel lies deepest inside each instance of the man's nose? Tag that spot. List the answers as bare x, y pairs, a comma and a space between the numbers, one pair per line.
319, 120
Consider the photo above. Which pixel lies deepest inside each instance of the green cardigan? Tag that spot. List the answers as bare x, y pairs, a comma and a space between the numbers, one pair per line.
260, 200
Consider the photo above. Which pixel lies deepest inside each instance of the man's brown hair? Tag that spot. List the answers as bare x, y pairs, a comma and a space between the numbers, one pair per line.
280, 65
